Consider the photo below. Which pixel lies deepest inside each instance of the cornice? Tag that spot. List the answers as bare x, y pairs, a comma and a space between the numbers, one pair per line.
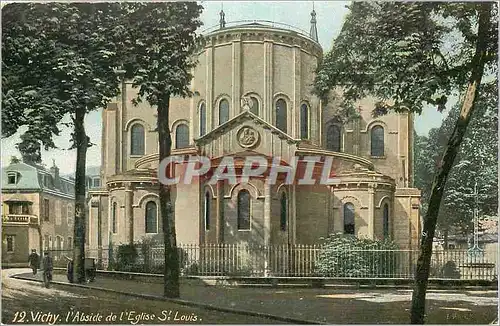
348, 157
363, 185
262, 34
150, 158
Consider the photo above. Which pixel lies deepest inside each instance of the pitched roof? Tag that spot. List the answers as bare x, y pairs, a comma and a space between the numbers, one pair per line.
245, 115
35, 177
27, 176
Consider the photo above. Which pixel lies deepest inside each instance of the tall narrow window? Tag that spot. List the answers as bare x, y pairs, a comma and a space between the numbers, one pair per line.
386, 221
10, 242
333, 138
182, 136
243, 210
223, 111
137, 140
206, 211
348, 218
304, 121
46, 210
46, 241
151, 217
113, 217
255, 106
377, 141
281, 115
283, 212
203, 119
69, 217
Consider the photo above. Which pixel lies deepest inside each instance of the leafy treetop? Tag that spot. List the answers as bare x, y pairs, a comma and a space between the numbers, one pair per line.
406, 54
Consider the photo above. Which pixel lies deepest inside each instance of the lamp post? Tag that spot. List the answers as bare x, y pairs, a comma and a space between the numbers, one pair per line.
475, 251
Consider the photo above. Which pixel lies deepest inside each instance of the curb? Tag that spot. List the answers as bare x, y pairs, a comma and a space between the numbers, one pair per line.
305, 282
183, 302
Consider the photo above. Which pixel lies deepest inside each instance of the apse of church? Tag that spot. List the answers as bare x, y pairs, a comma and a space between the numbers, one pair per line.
253, 96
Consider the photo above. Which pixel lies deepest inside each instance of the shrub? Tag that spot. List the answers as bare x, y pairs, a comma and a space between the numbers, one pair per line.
111, 260
146, 246
127, 257
347, 256
450, 270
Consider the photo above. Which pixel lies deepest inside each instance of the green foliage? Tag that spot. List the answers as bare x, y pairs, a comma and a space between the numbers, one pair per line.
450, 270
348, 256
30, 148
405, 54
57, 58
126, 257
163, 41
476, 161
146, 246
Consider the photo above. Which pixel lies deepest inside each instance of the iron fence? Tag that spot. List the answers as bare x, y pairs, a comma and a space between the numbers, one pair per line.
295, 261
60, 258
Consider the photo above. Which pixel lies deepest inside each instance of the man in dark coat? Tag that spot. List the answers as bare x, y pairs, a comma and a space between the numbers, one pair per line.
34, 261
47, 266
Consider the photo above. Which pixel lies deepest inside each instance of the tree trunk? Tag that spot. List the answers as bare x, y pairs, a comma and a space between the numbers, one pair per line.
438, 185
82, 141
171, 268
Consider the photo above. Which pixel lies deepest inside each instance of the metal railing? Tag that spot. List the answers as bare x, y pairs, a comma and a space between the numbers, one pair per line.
298, 261
265, 23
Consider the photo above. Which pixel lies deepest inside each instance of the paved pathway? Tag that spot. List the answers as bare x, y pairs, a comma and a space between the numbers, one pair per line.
31, 303
339, 306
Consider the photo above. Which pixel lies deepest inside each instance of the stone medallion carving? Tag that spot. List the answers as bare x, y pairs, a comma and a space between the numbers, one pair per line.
247, 137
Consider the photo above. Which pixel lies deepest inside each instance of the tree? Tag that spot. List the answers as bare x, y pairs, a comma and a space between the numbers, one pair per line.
163, 42
409, 55
30, 148
476, 162
59, 59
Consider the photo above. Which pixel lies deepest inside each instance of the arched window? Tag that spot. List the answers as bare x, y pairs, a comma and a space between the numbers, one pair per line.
304, 121
283, 212
255, 106
223, 111
182, 136
333, 138
348, 218
243, 210
137, 140
281, 115
113, 217
206, 211
151, 217
377, 141
386, 220
203, 119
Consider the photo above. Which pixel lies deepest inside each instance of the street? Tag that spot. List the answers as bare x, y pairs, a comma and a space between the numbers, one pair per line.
30, 303
328, 305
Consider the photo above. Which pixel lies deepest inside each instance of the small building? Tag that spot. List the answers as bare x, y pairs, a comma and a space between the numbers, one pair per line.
37, 211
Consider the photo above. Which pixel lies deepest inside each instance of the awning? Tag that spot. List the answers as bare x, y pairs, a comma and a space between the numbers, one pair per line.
15, 198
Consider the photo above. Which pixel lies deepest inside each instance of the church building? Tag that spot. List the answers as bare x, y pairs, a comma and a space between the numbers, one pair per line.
253, 97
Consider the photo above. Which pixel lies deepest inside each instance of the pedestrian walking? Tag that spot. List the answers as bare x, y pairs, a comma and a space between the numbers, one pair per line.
47, 268
34, 261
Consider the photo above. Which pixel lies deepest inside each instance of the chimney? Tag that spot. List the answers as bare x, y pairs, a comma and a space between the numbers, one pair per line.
54, 170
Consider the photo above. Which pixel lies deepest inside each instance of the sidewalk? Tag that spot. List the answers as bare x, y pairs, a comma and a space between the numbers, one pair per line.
338, 306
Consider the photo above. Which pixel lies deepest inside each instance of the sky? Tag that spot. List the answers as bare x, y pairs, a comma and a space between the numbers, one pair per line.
330, 16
